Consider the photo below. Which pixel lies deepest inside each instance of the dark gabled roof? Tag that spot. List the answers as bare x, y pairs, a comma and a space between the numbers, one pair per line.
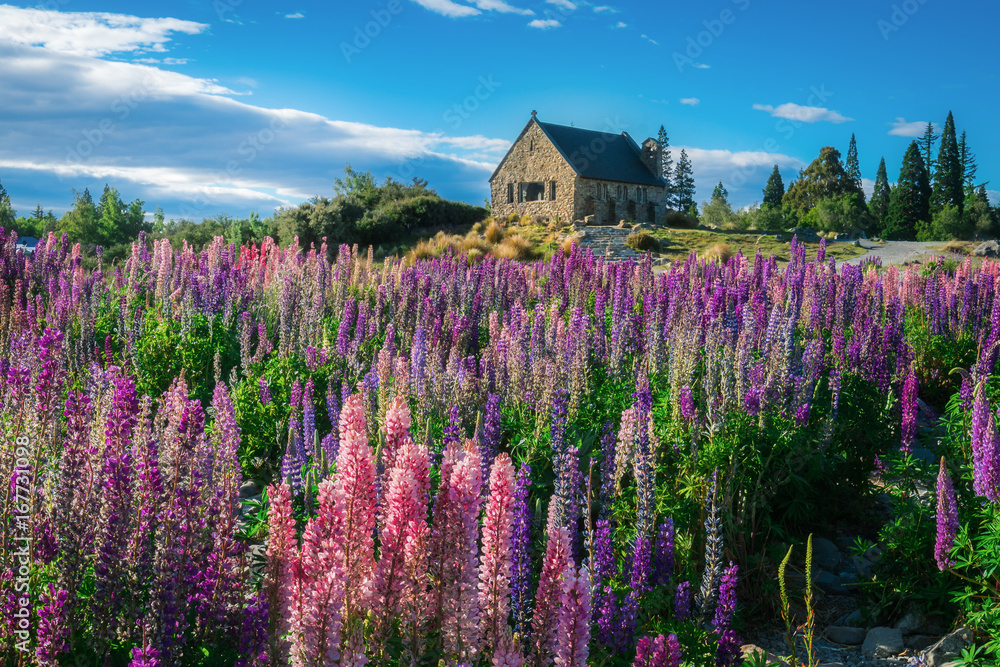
619, 159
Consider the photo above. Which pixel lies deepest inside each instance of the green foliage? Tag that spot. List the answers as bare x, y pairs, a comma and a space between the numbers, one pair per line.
642, 242
7, 212
946, 224
837, 215
824, 178
878, 207
853, 169
718, 212
684, 189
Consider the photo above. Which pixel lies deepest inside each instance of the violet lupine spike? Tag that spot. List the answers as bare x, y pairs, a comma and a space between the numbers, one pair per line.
608, 442
984, 444
659, 652
728, 653
253, 639
726, 607
264, 391
909, 409
521, 544
665, 553
53, 629
947, 518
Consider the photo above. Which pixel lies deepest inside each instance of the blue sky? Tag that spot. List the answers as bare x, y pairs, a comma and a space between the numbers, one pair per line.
230, 106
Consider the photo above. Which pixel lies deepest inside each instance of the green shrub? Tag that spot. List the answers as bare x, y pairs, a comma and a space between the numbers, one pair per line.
642, 242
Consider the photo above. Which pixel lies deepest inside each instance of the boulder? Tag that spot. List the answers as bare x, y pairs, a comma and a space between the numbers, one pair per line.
825, 553
987, 249
750, 650
948, 647
918, 643
249, 488
882, 642
846, 635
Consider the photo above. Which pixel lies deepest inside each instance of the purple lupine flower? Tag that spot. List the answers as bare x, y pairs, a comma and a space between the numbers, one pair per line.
609, 441
308, 415
726, 607
265, 391
146, 656
605, 608
491, 429
520, 579
453, 431
947, 518
253, 640
52, 627
687, 404
728, 653
665, 552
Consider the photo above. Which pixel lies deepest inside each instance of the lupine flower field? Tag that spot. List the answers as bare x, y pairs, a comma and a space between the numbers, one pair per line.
262, 456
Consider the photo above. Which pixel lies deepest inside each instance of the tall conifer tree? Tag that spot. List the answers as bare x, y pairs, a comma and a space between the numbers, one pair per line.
853, 169
667, 166
879, 205
684, 183
948, 176
927, 149
774, 191
909, 205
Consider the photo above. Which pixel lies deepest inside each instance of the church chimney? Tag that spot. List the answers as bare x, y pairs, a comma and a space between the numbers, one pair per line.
651, 152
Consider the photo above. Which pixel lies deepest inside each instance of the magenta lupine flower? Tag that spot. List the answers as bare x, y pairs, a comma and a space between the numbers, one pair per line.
52, 627
728, 653
508, 655
146, 656
573, 634
555, 565
404, 514
659, 652
947, 518
687, 404
495, 560
265, 391
983, 439
726, 606
909, 407
682, 601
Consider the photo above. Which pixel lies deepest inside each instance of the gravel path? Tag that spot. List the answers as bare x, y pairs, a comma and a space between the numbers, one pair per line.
894, 252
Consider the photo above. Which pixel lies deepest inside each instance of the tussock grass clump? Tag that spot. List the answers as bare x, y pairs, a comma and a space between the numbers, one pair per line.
959, 247
567, 245
642, 242
680, 219
494, 233
720, 252
515, 247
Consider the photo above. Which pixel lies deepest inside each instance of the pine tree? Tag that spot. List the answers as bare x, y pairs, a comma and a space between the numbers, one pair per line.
853, 169
80, 223
39, 212
7, 213
909, 205
720, 192
981, 193
666, 165
879, 205
948, 177
774, 191
684, 183
969, 165
927, 149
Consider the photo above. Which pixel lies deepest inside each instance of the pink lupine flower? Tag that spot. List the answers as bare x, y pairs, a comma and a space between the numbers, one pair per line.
507, 654
495, 560
947, 518
556, 564
355, 495
404, 518
282, 550
574, 620
460, 608
319, 594
396, 429
909, 403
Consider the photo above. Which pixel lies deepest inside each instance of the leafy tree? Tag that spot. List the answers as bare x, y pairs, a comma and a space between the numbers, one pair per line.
979, 218
684, 189
946, 224
878, 207
361, 186
666, 165
836, 215
7, 213
774, 190
824, 178
853, 169
80, 222
158, 226
910, 200
927, 149
718, 212
948, 177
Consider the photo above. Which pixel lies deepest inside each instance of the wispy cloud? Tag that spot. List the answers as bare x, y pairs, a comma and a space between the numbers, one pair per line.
502, 7
690, 101
544, 24
90, 33
564, 4
296, 15
619, 25
702, 66
903, 128
161, 61
742, 172
650, 39
605, 9
448, 8
803, 114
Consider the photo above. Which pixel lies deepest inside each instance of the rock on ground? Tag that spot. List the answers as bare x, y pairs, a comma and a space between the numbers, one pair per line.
846, 635
882, 642
987, 249
948, 648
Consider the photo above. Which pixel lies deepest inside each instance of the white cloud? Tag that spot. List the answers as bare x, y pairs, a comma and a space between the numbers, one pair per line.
701, 66
744, 173
604, 9
650, 39
161, 61
296, 15
903, 128
802, 113
448, 8
620, 24
502, 7
868, 186
184, 143
564, 4
544, 24
690, 101
89, 33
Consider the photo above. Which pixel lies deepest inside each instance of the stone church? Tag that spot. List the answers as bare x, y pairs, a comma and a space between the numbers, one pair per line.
571, 173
